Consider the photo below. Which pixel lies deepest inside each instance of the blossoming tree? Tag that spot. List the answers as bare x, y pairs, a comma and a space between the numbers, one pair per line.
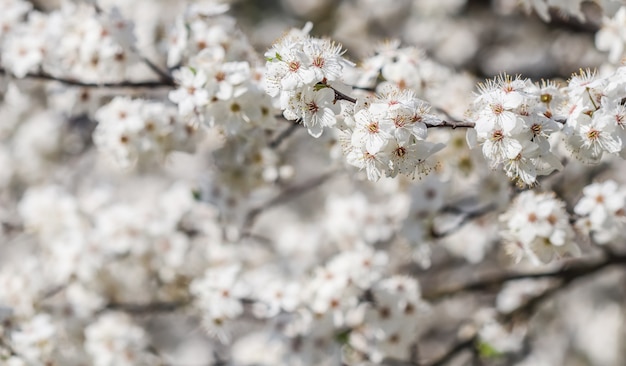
177, 190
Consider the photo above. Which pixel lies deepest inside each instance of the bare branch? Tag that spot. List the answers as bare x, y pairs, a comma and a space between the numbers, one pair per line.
144, 309
452, 124
284, 134
453, 352
122, 84
341, 96
286, 195
165, 76
466, 217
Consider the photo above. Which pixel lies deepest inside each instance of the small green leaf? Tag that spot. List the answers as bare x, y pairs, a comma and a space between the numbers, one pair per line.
343, 336
487, 351
319, 86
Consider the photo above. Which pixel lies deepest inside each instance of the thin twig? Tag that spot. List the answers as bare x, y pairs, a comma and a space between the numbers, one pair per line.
466, 216
341, 96
54, 291
73, 82
165, 76
453, 352
452, 124
286, 195
143, 309
7, 347
284, 134
566, 277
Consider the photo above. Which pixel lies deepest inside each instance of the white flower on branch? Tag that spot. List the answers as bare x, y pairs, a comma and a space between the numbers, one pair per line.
388, 135
594, 126
23, 53
612, 36
298, 60
513, 123
113, 339
131, 131
392, 319
191, 93
220, 293
35, 341
319, 110
13, 11
603, 210
537, 227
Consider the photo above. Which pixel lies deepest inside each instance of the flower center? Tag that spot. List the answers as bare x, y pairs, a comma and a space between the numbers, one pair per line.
536, 128
319, 62
312, 107
400, 151
294, 66
497, 135
373, 127
497, 108
593, 134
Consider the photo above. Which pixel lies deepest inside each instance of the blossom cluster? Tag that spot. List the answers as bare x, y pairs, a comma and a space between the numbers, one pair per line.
409, 68
218, 82
317, 308
612, 36
303, 73
90, 246
536, 227
75, 41
204, 27
130, 131
221, 94
514, 121
596, 115
602, 210
386, 135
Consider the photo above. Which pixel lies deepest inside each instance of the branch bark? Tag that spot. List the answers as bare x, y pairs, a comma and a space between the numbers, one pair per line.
78, 83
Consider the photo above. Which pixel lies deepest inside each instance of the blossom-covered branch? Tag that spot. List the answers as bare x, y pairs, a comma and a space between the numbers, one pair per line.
155, 210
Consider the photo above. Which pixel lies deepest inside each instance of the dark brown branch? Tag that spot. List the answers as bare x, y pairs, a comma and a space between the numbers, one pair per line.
144, 309
284, 134
53, 291
8, 348
452, 124
122, 84
364, 88
568, 272
566, 277
466, 217
165, 76
453, 352
341, 96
